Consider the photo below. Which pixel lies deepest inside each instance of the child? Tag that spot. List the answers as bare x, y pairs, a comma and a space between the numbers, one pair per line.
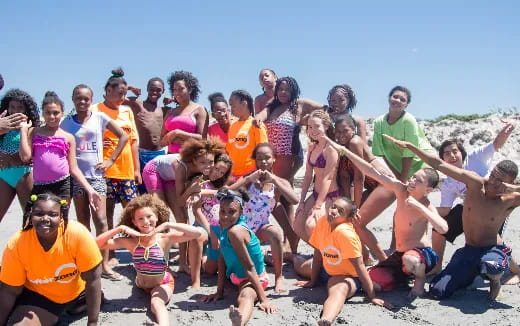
220, 112
375, 199
15, 178
413, 255
264, 190
49, 147
49, 267
149, 117
241, 259
88, 127
243, 135
167, 175
487, 203
337, 259
149, 238
189, 119
322, 166
122, 176
267, 78
205, 211
342, 101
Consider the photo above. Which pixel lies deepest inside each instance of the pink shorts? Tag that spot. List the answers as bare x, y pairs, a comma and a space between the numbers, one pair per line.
153, 180
264, 279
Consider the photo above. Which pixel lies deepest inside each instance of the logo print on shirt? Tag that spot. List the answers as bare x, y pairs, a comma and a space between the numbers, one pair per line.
65, 278
242, 137
332, 255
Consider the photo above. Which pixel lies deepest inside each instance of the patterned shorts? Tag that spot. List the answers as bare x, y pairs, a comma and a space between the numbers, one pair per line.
121, 190
99, 185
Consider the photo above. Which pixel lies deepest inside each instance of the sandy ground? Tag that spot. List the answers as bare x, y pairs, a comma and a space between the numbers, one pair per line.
128, 305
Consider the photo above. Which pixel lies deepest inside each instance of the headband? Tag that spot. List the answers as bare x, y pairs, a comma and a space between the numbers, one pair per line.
230, 194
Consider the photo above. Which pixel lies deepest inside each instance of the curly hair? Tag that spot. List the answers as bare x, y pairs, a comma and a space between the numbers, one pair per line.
147, 200
31, 108
81, 86
64, 209
194, 148
52, 98
116, 79
245, 96
404, 90
348, 92
215, 98
191, 82
295, 94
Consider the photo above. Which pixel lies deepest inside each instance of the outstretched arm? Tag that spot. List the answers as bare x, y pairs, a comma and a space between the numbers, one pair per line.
464, 176
430, 213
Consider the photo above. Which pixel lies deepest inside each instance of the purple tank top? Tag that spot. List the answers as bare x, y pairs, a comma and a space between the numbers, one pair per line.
50, 162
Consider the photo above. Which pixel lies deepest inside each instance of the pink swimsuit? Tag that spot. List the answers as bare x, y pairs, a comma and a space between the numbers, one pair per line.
184, 122
50, 162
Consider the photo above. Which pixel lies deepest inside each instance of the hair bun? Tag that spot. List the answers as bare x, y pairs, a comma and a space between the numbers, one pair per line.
50, 93
118, 72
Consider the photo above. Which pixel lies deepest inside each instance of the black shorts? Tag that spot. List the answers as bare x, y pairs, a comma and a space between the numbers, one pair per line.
62, 188
455, 227
31, 298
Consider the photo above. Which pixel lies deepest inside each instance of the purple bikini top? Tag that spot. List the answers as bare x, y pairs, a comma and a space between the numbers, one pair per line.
320, 161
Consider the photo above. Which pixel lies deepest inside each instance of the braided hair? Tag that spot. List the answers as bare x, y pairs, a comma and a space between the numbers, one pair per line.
295, 94
348, 92
64, 208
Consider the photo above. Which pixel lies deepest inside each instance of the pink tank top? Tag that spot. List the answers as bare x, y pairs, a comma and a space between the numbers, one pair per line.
184, 122
50, 162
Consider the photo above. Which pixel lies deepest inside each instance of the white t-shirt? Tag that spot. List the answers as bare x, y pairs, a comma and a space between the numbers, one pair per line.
478, 161
89, 142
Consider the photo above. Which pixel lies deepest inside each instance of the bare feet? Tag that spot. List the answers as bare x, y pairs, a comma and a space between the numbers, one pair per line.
235, 316
279, 285
494, 288
324, 322
513, 279
113, 262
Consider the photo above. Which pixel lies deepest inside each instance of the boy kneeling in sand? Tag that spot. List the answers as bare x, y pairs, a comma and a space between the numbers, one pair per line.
414, 255
487, 203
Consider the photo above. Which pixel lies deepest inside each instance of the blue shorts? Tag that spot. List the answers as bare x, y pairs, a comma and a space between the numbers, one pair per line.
208, 250
146, 156
467, 263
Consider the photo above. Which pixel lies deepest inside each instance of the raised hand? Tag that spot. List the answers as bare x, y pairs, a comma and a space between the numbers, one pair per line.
135, 90
12, 121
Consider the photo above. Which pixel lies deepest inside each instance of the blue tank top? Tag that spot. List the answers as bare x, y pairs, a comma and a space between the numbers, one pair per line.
233, 264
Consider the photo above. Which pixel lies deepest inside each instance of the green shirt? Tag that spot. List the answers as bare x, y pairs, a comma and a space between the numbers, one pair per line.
407, 129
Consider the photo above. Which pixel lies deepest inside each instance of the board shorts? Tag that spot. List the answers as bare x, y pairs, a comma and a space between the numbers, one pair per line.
467, 263
61, 188
31, 298
121, 190
263, 278
99, 185
389, 273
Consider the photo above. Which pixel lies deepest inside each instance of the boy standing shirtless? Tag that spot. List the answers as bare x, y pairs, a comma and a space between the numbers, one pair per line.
414, 255
487, 203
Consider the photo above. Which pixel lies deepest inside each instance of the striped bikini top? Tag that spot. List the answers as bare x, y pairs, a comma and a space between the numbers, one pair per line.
150, 260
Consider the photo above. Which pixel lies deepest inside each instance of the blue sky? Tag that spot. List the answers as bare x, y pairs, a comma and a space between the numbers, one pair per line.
460, 57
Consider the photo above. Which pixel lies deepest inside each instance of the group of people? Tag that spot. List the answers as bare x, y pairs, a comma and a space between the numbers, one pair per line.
234, 175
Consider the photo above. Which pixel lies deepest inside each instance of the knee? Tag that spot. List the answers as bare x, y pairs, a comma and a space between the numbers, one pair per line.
275, 235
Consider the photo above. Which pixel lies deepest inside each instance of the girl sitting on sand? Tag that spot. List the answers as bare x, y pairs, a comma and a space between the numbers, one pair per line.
149, 237
322, 165
15, 178
88, 128
372, 201
241, 259
220, 112
205, 251
49, 267
49, 148
264, 190
166, 177
337, 259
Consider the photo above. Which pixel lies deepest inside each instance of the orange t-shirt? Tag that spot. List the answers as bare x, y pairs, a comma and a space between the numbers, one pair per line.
243, 137
123, 167
55, 274
337, 247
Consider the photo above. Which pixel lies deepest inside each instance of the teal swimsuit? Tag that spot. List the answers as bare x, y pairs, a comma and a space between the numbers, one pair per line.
9, 145
233, 264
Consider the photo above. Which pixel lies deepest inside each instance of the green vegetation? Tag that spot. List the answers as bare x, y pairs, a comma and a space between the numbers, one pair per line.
465, 118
